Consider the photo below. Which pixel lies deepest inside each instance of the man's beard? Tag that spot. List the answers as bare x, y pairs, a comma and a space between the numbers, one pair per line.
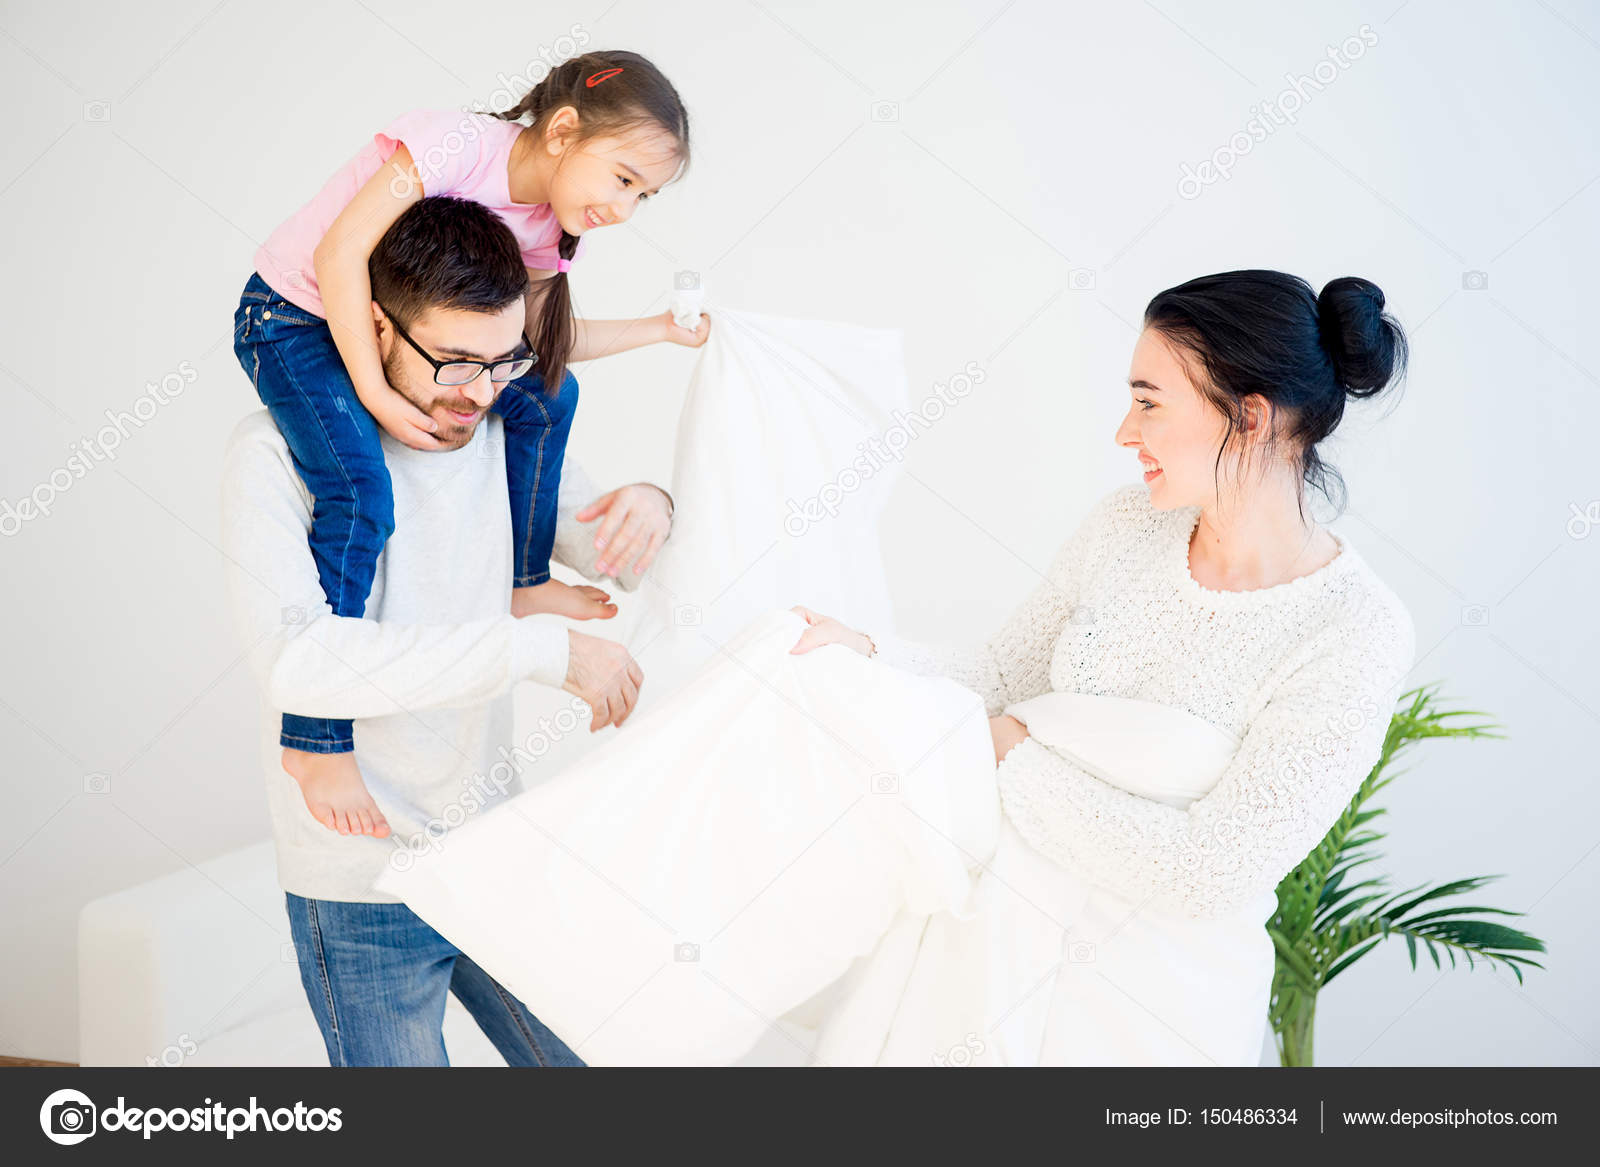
451, 434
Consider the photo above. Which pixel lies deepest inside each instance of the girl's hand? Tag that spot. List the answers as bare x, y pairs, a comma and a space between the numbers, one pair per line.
637, 522
1007, 732
826, 630
403, 421
688, 337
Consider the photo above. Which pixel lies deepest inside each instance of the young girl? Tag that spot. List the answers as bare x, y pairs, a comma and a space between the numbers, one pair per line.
600, 134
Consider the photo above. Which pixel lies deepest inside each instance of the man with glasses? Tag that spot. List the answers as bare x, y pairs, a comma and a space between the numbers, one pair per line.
426, 675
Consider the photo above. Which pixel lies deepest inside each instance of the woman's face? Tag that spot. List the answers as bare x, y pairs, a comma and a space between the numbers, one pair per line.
1175, 431
602, 182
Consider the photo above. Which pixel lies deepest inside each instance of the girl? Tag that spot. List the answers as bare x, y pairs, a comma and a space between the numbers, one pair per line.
583, 149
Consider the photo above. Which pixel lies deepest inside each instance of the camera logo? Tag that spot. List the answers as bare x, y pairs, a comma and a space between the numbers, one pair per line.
67, 1117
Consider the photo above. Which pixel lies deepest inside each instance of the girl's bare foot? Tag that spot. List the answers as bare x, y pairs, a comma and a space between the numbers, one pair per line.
334, 792
576, 603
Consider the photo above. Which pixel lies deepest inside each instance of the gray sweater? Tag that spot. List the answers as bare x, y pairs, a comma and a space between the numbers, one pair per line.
426, 674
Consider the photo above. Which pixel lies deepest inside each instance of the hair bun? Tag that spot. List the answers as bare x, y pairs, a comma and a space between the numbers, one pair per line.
1367, 346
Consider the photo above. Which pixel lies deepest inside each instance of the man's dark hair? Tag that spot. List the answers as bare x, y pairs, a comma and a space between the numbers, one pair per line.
445, 252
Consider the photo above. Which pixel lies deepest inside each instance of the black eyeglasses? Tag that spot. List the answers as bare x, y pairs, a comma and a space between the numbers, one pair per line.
462, 371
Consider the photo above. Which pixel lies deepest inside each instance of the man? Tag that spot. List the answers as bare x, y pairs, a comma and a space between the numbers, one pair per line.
429, 671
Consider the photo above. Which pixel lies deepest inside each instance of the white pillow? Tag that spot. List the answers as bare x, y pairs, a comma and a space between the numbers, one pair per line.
777, 499
780, 421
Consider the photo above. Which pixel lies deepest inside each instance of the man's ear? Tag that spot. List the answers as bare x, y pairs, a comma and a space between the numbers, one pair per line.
383, 327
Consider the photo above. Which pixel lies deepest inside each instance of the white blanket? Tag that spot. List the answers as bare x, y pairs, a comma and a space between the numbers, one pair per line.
725, 858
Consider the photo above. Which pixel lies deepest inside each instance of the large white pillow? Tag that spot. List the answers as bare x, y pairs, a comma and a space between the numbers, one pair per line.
778, 491
779, 480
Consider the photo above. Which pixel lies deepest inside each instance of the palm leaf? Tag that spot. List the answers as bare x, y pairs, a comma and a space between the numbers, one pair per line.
1324, 924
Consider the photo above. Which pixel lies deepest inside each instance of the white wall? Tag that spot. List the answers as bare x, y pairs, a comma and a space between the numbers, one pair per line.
1033, 139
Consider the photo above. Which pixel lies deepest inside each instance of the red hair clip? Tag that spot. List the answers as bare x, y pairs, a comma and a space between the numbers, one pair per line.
595, 78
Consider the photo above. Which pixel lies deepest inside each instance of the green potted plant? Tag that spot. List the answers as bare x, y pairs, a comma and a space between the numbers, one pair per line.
1326, 921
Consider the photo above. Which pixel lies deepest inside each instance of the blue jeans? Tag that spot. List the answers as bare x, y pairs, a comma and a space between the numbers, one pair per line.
377, 978
291, 360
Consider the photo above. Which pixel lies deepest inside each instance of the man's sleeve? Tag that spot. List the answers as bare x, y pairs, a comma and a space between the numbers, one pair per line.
314, 663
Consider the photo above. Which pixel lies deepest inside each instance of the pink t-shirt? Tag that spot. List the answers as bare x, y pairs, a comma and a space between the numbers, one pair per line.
461, 154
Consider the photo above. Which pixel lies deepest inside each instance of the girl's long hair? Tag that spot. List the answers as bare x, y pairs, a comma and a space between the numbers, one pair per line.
637, 97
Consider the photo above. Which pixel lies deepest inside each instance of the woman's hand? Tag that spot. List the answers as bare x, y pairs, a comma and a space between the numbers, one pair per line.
1007, 732
638, 518
826, 630
688, 337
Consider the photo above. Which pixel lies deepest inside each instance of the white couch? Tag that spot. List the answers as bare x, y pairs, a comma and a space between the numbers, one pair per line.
196, 968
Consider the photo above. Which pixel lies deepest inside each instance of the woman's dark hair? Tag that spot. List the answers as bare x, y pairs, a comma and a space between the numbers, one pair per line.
445, 252
637, 97
1268, 333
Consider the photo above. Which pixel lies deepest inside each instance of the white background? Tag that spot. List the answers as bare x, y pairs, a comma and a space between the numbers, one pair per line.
1026, 141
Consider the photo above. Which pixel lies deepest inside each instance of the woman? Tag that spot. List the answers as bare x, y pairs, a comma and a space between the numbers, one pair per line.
1177, 715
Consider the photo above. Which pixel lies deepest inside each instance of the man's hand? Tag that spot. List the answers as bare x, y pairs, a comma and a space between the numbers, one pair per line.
605, 676
638, 518
1007, 732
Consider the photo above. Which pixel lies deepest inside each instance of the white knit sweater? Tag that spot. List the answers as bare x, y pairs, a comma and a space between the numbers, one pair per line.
1305, 674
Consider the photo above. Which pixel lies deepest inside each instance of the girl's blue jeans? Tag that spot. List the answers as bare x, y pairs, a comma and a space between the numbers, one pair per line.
291, 360
377, 977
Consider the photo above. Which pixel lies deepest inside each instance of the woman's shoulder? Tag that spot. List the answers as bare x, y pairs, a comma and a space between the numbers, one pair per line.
1349, 619
1365, 603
